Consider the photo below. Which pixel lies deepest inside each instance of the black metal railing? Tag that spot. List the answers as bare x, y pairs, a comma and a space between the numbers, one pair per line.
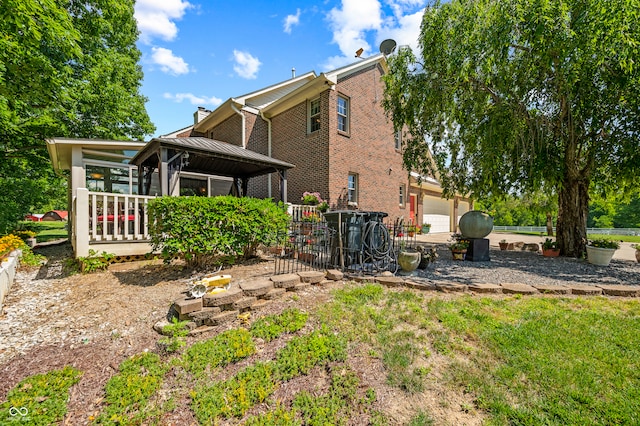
306, 246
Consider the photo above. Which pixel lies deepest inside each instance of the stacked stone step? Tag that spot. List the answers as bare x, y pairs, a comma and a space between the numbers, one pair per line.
218, 308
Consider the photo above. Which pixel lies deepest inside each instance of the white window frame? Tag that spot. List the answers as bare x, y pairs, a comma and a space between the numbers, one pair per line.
352, 190
312, 116
343, 113
397, 139
402, 199
108, 164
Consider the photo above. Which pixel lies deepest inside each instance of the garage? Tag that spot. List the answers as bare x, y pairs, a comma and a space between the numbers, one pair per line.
436, 211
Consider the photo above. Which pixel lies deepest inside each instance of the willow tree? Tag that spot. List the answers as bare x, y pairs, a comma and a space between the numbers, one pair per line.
509, 96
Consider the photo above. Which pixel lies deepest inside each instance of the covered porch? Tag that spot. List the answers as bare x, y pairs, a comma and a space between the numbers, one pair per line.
111, 183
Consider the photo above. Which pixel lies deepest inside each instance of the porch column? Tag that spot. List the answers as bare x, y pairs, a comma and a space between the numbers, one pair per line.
164, 172
80, 235
283, 185
455, 214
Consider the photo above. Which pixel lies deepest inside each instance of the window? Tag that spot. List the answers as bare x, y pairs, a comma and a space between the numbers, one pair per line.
398, 139
402, 200
343, 114
118, 179
314, 115
352, 193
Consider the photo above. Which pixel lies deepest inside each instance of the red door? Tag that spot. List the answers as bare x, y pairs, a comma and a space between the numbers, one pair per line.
412, 208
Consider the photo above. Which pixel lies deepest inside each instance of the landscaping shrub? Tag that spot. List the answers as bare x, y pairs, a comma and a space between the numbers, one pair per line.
204, 229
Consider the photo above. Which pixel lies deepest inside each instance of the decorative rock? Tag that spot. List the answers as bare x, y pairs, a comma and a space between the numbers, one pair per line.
390, 281
335, 275
485, 288
620, 290
257, 288
244, 303
311, 277
187, 305
200, 329
552, 289
518, 245
387, 274
515, 288
223, 298
221, 318
534, 247
449, 287
326, 282
159, 326
585, 290
202, 316
285, 280
275, 293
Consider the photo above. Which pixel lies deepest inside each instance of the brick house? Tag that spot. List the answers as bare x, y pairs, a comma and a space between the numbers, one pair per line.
333, 128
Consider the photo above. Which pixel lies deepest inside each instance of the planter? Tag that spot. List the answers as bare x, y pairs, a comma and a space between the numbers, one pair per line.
550, 252
426, 229
458, 254
638, 256
503, 246
409, 260
599, 256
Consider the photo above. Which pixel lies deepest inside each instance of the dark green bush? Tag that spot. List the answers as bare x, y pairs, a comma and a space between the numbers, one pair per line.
205, 229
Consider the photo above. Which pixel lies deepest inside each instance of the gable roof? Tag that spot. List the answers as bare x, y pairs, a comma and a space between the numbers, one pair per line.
274, 99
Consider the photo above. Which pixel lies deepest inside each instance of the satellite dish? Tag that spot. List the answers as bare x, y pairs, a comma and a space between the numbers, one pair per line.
387, 46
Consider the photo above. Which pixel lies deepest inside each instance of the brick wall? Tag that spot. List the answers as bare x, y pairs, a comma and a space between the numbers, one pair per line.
257, 141
230, 131
367, 149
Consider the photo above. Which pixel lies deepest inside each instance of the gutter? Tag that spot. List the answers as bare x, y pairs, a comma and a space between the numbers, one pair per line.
244, 125
268, 120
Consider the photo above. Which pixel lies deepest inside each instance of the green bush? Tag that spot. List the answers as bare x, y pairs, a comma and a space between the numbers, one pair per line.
204, 229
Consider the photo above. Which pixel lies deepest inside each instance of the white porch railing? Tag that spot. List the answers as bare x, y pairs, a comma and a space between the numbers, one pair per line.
100, 217
298, 211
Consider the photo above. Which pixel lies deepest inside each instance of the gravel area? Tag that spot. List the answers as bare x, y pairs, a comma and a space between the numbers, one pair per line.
529, 268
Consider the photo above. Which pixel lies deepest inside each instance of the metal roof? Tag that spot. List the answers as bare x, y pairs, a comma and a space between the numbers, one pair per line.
213, 157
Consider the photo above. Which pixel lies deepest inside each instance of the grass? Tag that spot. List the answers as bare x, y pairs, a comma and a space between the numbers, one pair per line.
517, 360
46, 231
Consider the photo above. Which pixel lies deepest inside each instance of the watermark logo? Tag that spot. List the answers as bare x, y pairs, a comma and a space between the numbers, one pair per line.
18, 413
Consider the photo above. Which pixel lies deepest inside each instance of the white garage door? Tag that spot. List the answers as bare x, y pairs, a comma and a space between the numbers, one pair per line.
439, 222
436, 212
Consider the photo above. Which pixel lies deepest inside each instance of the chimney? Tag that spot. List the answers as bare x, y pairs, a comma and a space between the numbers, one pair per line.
200, 114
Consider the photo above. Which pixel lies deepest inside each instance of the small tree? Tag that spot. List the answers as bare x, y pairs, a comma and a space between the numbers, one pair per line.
517, 95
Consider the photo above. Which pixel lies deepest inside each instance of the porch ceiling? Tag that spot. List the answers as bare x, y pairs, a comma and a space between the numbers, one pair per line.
213, 157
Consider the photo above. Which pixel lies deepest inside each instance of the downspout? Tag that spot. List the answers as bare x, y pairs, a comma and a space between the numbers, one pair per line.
244, 125
268, 120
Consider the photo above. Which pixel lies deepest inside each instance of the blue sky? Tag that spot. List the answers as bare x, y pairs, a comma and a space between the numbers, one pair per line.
202, 53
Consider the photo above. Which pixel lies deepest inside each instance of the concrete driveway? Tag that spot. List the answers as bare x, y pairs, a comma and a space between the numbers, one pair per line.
626, 252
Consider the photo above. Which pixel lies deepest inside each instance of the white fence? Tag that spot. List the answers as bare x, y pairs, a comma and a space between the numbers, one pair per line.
543, 229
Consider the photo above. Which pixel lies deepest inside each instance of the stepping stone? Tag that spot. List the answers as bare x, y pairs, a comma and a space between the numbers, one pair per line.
326, 282
364, 279
420, 285
301, 286
201, 329
585, 290
187, 305
390, 281
335, 275
485, 288
515, 288
202, 316
221, 318
257, 288
451, 287
285, 280
222, 298
620, 290
552, 289
275, 293
244, 303
260, 303
311, 277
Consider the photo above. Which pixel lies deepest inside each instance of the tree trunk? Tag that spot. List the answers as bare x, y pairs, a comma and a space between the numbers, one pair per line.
573, 208
549, 225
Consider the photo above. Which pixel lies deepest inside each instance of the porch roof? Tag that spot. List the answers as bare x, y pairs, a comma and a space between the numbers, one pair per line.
210, 156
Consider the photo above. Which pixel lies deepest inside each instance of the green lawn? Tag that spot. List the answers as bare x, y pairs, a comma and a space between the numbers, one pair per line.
625, 238
539, 360
46, 231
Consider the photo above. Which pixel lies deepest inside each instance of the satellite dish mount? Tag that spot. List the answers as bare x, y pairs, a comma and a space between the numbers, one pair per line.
387, 46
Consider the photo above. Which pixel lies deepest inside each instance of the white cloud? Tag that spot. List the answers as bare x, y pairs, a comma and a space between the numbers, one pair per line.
290, 21
405, 31
193, 99
246, 65
156, 18
168, 62
350, 24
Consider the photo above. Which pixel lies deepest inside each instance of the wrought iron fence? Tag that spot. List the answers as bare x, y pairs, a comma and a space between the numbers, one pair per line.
306, 246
